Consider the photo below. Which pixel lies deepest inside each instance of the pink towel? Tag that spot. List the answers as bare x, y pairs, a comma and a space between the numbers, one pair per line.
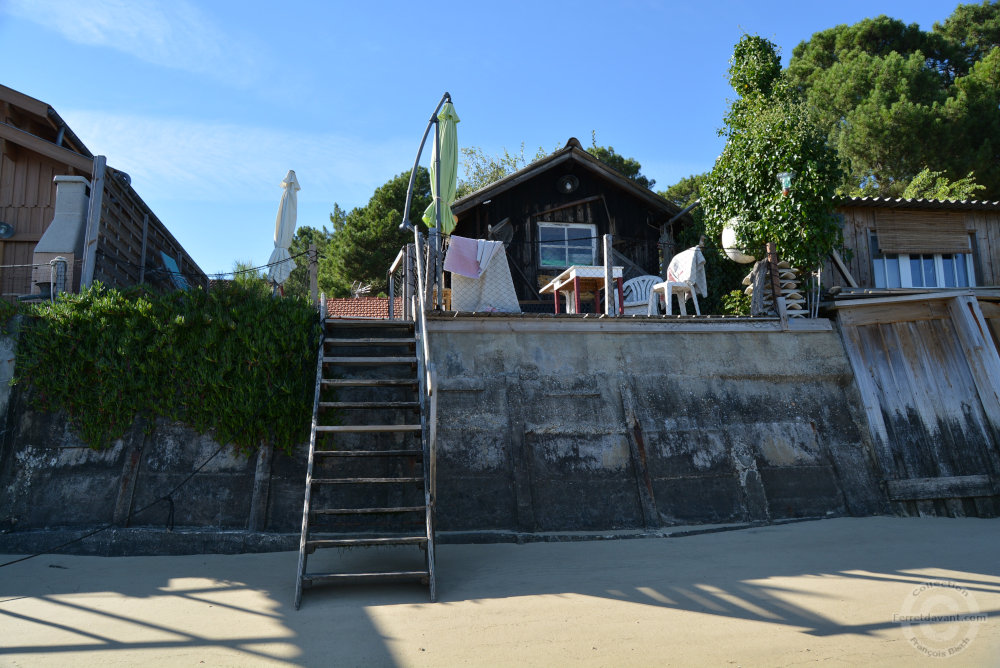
462, 257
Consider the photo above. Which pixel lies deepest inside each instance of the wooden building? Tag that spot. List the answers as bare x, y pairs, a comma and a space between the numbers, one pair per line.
905, 246
553, 213
918, 308
123, 241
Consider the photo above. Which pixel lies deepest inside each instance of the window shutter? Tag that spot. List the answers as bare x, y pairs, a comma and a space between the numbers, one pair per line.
921, 232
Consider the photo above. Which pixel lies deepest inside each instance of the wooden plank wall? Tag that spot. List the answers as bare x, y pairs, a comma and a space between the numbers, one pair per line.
931, 422
120, 241
860, 221
634, 226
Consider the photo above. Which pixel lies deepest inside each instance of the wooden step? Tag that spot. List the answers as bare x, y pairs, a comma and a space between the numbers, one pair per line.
366, 428
310, 579
371, 405
368, 511
369, 453
368, 382
369, 361
365, 542
364, 481
333, 323
370, 342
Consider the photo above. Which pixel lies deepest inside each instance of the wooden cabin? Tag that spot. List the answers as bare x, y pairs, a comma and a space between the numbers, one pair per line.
553, 213
114, 237
916, 245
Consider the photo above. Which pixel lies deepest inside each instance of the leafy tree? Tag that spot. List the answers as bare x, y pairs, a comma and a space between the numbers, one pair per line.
481, 169
297, 283
973, 29
934, 185
769, 131
627, 167
250, 277
366, 240
686, 191
894, 99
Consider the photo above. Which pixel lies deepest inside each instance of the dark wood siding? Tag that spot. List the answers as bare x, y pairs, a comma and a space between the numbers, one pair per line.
635, 225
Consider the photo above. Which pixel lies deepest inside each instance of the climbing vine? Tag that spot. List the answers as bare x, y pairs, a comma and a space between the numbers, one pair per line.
233, 361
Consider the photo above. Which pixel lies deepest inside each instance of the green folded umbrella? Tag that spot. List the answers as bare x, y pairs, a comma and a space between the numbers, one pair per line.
447, 131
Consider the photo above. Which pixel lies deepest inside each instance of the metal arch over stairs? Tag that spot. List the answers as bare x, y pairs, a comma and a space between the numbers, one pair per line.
369, 479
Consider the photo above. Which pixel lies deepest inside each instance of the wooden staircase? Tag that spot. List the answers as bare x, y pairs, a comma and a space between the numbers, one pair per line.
368, 482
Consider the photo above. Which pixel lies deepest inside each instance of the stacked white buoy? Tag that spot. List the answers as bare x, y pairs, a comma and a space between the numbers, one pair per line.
789, 279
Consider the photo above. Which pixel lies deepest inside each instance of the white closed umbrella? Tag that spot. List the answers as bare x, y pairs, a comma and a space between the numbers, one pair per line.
281, 262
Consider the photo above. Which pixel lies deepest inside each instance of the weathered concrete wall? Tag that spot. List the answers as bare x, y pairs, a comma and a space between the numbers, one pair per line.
552, 425
544, 425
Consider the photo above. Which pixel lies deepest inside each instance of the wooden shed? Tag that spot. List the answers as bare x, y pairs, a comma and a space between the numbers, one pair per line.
124, 242
899, 245
553, 213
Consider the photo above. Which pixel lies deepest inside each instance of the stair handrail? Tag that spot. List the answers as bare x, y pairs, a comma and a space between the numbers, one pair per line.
428, 376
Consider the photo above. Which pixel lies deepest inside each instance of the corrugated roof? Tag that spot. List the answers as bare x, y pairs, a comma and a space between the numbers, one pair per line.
926, 204
362, 307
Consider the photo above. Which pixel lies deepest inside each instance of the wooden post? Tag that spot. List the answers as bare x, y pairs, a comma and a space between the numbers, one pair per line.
609, 285
142, 256
261, 484
772, 268
93, 222
313, 275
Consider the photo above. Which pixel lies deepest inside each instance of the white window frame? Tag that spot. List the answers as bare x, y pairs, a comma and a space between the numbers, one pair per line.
587, 230
880, 268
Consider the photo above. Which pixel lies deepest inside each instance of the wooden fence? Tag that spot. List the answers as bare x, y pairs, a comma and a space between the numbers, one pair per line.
126, 242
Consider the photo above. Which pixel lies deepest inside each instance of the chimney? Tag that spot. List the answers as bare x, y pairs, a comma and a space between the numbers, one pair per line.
65, 234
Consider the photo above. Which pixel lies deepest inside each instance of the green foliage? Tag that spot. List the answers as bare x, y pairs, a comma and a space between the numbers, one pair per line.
481, 169
250, 277
627, 167
366, 240
235, 362
685, 192
754, 67
736, 302
769, 131
934, 185
297, 283
894, 99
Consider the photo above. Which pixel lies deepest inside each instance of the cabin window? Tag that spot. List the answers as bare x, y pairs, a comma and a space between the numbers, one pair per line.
566, 244
939, 270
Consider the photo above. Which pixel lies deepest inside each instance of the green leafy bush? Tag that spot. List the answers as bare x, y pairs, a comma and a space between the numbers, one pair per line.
234, 362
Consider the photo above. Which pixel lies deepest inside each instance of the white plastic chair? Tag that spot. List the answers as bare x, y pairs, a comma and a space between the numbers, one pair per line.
636, 292
685, 276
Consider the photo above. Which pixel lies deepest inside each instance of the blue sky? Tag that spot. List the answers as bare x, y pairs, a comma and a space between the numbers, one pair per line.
208, 104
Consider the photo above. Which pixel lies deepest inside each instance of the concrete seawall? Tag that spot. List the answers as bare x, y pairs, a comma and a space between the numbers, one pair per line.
545, 425
559, 425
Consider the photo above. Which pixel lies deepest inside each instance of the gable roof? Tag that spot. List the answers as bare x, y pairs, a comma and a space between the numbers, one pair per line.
44, 131
924, 204
572, 152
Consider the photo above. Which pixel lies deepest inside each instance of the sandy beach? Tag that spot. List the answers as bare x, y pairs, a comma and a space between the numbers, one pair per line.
838, 592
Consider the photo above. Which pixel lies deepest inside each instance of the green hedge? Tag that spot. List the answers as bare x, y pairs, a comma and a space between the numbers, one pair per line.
234, 362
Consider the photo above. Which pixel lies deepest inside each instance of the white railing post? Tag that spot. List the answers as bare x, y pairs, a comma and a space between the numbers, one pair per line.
610, 291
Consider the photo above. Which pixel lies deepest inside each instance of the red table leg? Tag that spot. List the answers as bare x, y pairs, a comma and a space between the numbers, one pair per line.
576, 292
621, 296
555, 293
